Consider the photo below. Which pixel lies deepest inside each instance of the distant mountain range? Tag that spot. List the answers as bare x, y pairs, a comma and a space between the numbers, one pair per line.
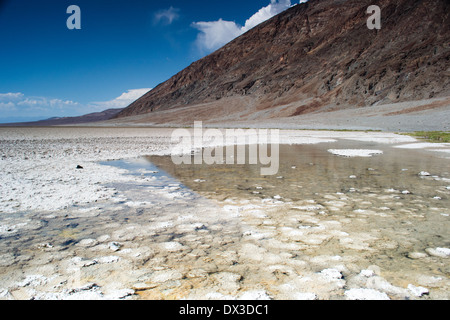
56, 121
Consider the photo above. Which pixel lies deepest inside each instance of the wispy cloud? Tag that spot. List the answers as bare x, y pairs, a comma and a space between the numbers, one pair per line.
17, 101
124, 100
8, 101
12, 96
215, 34
166, 16
18, 105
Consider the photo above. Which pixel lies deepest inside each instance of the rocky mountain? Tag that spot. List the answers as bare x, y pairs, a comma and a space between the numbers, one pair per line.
317, 56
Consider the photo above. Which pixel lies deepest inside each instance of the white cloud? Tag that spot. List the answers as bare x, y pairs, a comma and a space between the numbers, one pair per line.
18, 101
166, 16
124, 100
215, 34
15, 105
274, 8
12, 96
43, 103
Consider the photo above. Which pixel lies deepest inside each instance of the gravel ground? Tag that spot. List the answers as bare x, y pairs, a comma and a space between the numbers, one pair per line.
422, 115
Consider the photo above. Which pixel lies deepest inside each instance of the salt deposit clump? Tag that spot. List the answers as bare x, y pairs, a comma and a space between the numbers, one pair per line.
355, 152
438, 252
365, 294
418, 291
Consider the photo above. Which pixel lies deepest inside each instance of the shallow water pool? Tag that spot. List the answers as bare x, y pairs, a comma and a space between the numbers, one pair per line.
377, 211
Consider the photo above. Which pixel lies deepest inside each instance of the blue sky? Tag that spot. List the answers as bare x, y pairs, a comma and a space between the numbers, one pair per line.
123, 49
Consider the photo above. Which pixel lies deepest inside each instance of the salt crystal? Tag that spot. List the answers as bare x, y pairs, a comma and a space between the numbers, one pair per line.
418, 291
107, 260
255, 295
367, 273
114, 246
438, 252
331, 274
445, 251
355, 152
365, 294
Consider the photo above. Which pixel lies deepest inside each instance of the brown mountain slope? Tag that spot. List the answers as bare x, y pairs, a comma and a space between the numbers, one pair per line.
315, 56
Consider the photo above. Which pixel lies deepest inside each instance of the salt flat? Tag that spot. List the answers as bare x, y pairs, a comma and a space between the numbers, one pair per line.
101, 232
38, 166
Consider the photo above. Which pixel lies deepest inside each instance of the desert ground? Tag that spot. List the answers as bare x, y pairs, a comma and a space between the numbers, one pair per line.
84, 216
408, 116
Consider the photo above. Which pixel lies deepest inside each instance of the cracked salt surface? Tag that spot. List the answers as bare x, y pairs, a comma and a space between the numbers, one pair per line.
128, 229
355, 152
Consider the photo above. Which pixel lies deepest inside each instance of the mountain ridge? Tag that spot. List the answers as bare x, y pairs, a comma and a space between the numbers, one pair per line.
316, 56
58, 121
